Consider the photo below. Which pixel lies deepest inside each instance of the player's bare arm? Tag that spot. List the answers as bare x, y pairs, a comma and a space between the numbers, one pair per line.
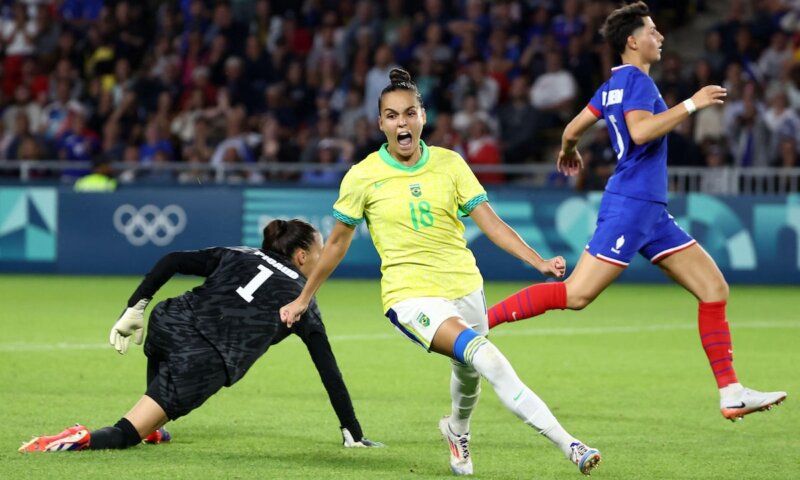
645, 127
332, 254
509, 240
569, 159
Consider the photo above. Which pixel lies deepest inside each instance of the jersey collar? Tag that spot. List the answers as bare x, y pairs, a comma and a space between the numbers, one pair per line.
389, 160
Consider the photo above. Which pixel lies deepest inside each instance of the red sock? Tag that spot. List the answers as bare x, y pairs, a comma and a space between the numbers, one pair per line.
529, 302
716, 339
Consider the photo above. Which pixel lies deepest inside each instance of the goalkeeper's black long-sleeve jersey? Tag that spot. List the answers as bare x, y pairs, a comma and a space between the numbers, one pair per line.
237, 309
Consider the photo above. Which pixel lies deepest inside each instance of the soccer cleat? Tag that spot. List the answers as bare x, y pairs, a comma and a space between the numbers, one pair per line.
159, 436
584, 456
748, 401
349, 442
460, 459
72, 439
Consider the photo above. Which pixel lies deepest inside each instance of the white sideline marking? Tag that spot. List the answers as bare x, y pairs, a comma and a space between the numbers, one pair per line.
515, 332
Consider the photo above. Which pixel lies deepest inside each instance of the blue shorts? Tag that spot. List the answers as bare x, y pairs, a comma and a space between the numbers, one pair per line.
627, 225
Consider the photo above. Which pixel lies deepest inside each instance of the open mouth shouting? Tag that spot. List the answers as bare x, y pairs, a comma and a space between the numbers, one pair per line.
405, 140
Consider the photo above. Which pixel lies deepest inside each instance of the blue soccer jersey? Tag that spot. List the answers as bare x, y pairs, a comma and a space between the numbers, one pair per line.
641, 169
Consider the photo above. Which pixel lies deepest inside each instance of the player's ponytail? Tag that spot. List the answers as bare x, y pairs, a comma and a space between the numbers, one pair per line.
400, 79
285, 237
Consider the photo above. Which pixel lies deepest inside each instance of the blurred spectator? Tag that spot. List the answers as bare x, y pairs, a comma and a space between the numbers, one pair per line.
130, 158
470, 112
787, 153
671, 77
377, 79
234, 141
747, 132
482, 149
518, 124
101, 178
18, 35
553, 93
781, 122
445, 134
53, 118
77, 143
716, 179
156, 172
569, 24
328, 155
434, 47
224, 25
404, 47
353, 111
773, 58
264, 25
155, 141
714, 54
394, 18
476, 82
599, 161
129, 34
22, 104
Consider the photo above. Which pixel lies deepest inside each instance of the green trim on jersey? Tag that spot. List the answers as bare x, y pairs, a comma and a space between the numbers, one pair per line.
346, 219
389, 160
468, 207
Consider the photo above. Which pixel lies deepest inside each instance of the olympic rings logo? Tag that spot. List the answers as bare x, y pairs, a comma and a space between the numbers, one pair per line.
150, 224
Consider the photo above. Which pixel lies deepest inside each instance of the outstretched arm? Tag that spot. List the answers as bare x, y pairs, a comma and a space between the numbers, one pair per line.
200, 262
131, 322
332, 254
569, 159
645, 127
509, 240
322, 355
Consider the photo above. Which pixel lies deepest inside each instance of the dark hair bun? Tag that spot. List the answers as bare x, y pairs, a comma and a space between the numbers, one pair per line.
398, 75
273, 231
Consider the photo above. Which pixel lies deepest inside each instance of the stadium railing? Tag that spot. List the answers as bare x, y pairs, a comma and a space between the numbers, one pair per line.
719, 180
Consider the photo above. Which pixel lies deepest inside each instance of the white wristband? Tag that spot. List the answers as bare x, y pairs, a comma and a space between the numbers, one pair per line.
690, 106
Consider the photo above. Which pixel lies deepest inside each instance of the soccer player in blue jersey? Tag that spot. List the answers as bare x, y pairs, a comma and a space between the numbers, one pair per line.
633, 216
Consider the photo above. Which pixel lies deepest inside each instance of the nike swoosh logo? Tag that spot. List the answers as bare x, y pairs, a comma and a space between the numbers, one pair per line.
516, 397
736, 406
380, 183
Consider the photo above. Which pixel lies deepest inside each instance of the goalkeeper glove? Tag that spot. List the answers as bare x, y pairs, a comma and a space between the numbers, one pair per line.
130, 324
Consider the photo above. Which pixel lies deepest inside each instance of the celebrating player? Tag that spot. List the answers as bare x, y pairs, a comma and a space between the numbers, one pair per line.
432, 291
209, 337
633, 216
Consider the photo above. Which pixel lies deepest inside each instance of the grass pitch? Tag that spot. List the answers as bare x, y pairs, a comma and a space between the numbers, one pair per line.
627, 375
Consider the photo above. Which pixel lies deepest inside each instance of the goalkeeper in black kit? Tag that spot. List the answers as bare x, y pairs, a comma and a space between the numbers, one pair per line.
209, 337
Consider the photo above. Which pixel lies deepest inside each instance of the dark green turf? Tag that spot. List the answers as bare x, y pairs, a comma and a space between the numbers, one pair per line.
627, 375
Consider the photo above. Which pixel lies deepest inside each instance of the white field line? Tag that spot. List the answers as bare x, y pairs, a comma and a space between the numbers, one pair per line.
501, 332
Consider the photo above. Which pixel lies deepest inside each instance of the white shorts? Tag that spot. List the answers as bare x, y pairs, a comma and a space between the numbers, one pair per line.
419, 318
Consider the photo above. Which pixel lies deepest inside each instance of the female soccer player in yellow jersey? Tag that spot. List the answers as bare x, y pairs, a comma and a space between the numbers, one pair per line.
411, 195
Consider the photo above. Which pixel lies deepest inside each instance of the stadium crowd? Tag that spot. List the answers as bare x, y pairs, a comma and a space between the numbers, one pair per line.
263, 82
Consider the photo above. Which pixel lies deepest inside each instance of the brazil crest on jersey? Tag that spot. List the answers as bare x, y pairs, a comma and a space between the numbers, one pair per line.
641, 170
412, 214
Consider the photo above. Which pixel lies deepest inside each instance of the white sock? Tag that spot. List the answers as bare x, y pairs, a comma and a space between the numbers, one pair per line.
731, 390
515, 395
465, 389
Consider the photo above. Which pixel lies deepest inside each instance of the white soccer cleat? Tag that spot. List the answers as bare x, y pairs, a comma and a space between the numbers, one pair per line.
585, 457
747, 401
349, 442
460, 459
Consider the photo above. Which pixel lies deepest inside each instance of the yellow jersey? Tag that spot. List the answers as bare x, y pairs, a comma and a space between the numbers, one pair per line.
413, 217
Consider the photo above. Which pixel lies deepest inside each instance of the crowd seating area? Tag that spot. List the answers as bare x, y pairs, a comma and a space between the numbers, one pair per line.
248, 83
